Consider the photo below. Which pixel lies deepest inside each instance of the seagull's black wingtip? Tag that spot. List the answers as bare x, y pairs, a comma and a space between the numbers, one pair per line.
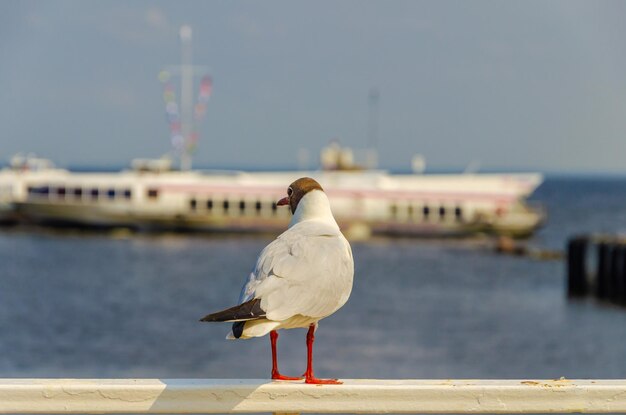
250, 310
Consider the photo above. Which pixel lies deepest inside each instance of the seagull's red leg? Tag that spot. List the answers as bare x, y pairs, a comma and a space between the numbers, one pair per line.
308, 375
275, 374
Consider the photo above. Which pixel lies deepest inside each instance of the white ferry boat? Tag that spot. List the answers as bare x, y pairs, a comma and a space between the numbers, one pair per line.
152, 196
22, 172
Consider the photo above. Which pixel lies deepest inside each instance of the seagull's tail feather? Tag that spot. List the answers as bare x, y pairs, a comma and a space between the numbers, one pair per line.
250, 310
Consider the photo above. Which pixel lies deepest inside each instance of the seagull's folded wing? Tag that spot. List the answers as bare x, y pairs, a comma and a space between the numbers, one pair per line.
306, 271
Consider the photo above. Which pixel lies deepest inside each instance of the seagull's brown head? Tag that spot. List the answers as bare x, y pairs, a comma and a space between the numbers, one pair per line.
297, 190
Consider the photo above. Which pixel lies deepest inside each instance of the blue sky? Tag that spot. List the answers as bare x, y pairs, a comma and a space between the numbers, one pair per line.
512, 85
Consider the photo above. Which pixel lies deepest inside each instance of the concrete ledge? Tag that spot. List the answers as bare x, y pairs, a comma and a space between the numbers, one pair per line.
180, 396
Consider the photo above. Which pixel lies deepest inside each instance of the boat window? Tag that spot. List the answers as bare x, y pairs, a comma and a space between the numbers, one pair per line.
458, 213
127, 193
153, 193
257, 206
426, 211
61, 191
226, 205
442, 212
274, 207
393, 209
43, 190
209, 204
242, 205
193, 203
111, 193
78, 192
94, 193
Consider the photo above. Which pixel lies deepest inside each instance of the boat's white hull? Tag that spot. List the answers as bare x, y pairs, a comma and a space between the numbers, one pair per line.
363, 203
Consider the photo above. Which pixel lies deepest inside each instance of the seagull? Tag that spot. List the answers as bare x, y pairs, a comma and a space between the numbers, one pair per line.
302, 276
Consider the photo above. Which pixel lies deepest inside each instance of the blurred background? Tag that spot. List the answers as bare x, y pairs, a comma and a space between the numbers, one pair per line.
478, 90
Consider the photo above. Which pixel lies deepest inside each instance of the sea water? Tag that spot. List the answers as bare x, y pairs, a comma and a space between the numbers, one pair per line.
76, 304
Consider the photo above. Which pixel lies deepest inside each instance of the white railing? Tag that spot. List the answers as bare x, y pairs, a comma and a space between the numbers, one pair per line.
182, 396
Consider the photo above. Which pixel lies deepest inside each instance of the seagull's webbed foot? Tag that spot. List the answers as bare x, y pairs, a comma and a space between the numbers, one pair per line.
278, 376
315, 381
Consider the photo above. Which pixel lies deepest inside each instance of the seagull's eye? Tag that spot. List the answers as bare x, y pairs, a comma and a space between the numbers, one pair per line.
289, 192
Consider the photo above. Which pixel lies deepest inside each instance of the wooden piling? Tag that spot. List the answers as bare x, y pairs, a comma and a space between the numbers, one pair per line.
604, 271
608, 283
619, 275
615, 273
577, 285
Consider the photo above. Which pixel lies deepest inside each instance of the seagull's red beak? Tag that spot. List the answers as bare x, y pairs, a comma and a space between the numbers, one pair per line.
282, 202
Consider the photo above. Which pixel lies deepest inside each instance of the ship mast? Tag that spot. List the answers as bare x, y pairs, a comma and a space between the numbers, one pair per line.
186, 95
184, 119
